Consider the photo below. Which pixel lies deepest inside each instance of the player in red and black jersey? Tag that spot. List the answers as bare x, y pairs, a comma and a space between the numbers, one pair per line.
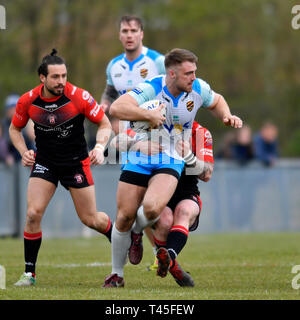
58, 110
183, 210
181, 215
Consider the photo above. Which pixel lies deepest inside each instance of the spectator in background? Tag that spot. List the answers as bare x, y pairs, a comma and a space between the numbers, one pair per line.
5, 156
10, 107
242, 148
266, 144
225, 150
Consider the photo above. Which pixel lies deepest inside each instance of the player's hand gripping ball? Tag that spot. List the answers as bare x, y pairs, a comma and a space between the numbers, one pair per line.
144, 126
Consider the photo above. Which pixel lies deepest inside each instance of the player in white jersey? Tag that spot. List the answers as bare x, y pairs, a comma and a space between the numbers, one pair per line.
137, 64
152, 184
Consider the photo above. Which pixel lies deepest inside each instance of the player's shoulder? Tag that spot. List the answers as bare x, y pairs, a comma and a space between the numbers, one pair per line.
28, 97
152, 54
74, 92
199, 85
156, 80
116, 59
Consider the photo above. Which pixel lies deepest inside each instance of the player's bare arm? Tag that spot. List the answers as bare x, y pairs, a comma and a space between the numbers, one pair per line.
220, 110
18, 141
126, 108
102, 136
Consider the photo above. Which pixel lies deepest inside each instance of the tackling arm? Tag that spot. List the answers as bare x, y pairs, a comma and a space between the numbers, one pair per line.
102, 136
127, 108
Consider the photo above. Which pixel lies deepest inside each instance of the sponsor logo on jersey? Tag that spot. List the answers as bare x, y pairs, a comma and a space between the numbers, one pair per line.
190, 105
95, 110
79, 178
118, 75
137, 91
51, 106
144, 73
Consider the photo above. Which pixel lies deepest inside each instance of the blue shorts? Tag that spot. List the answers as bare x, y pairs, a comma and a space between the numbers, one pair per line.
140, 167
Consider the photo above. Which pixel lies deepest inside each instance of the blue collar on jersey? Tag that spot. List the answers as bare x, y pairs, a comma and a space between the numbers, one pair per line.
175, 100
132, 63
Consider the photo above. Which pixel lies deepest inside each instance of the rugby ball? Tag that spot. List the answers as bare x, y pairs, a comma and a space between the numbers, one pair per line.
144, 126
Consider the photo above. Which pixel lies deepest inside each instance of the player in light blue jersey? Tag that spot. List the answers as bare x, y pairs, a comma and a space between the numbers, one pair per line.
137, 64
153, 185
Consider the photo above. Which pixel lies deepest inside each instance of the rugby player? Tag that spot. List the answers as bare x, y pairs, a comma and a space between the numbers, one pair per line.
58, 109
123, 73
136, 64
142, 179
182, 213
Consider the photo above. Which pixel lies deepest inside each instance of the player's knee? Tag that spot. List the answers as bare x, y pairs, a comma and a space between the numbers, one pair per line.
164, 223
124, 221
34, 215
183, 213
151, 210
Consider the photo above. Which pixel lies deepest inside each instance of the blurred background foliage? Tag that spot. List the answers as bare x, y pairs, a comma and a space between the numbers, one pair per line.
247, 49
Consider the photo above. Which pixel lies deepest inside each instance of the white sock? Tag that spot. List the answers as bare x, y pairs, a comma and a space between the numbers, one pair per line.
120, 243
141, 221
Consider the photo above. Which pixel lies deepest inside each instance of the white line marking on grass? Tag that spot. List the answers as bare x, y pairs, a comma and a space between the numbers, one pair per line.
79, 265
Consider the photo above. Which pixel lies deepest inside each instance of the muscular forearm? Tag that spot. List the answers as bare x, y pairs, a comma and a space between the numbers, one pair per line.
126, 108
207, 172
104, 131
17, 139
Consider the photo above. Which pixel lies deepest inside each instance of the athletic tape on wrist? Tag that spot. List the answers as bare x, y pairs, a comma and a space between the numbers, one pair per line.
99, 146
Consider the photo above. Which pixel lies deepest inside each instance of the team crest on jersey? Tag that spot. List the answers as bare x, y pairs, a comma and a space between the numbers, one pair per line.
190, 105
144, 73
52, 119
79, 178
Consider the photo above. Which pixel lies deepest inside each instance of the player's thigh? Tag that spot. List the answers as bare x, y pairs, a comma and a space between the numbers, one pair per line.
186, 212
39, 194
160, 190
84, 200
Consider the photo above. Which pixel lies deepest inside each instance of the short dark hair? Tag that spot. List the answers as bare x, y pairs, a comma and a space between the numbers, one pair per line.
51, 58
128, 18
177, 56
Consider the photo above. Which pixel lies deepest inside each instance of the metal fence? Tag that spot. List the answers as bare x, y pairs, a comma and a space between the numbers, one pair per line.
251, 198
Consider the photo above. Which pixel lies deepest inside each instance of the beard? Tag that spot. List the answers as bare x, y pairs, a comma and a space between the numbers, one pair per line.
56, 93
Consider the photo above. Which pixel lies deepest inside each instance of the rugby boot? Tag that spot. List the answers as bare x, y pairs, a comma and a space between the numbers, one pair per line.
135, 252
164, 261
27, 279
181, 277
113, 281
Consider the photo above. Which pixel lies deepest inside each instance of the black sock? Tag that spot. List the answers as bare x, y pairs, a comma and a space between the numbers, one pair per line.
176, 241
32, 243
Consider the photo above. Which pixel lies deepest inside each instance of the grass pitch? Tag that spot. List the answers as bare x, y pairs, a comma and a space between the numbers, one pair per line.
224, 266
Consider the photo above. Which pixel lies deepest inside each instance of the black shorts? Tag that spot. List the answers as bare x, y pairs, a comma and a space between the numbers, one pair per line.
76, 175
142, 180
186, 195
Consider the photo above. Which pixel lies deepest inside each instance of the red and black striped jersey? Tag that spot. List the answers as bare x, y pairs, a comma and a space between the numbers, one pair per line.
202, 143
58, 122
